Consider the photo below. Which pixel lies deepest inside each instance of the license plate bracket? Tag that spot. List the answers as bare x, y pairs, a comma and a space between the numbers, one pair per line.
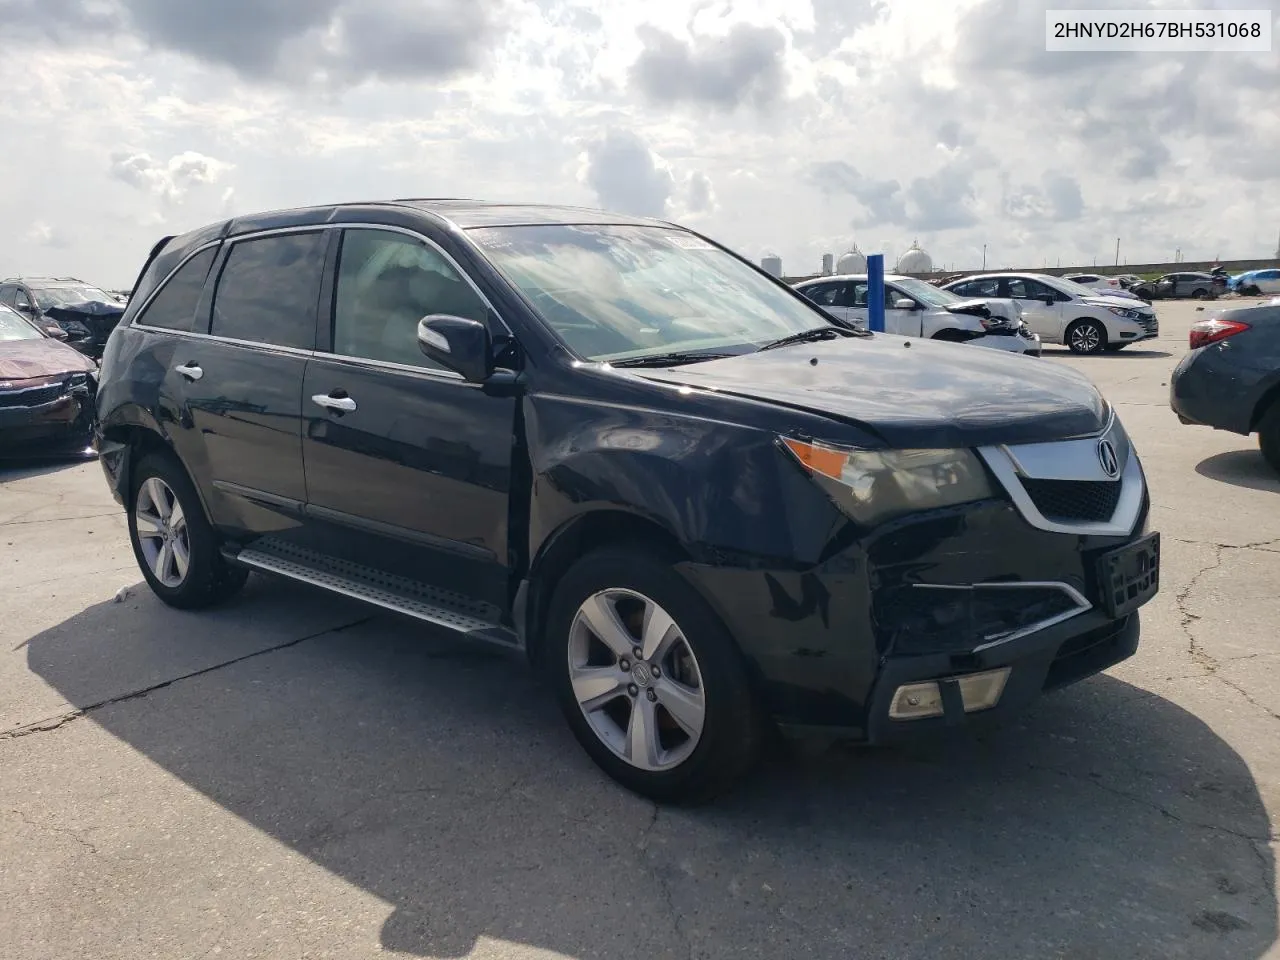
1130, 576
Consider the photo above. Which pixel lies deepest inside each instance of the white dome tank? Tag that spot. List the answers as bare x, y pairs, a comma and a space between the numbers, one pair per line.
915, 260
852, 261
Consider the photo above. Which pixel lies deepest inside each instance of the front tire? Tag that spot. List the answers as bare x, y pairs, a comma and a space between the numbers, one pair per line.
1269, 435
649, 679
175, 546
1086, 337
1252, 291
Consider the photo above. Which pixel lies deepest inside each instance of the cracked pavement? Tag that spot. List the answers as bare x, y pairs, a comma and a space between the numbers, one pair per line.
294, 776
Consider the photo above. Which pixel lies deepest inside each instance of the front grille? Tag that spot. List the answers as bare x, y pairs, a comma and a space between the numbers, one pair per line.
31, 397
1080, 501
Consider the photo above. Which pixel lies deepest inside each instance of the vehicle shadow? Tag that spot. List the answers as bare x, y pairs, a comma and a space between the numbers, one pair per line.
28, 467
1240, 468
1117, 354
437, 777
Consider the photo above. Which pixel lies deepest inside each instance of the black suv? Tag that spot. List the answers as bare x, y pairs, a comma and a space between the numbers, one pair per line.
84, 314
698, 502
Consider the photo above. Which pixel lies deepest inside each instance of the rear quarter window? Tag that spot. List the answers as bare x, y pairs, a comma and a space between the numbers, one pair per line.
268, 289
174, 307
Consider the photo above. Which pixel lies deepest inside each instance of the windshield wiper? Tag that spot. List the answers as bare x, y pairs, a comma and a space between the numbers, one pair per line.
670, 359
809, 336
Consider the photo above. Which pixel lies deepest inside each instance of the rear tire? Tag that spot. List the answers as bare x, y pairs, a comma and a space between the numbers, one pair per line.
1086, 337
617, 705
1269, 435
1201, 294
173, 541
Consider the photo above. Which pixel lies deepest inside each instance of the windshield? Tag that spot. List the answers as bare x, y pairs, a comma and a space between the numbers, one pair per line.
626, 292
14, 327
927, 293
1069, 287
70, 296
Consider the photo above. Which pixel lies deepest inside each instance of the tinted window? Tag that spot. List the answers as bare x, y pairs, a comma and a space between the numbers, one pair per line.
985, 287
6, 295
827, 294
387, 282
268, 289
174, 307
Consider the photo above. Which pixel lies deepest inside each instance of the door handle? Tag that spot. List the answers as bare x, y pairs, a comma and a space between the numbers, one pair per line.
340, 404
191, 371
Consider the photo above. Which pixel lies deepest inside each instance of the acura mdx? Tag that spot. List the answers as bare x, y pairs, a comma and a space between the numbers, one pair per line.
703, 506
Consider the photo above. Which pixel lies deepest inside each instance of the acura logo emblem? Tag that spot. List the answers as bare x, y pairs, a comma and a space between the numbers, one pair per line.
1107, 457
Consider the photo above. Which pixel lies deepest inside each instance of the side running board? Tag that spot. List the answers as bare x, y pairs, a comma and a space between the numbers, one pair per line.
441, 608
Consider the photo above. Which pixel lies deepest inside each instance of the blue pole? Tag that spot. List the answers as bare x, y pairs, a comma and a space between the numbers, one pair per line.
875, 292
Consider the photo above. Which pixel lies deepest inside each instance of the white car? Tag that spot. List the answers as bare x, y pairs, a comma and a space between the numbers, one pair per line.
1064, 312
913, 308
1108, 286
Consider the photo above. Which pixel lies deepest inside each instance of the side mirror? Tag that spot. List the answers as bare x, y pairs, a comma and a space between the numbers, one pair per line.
902, 303
26, 308
461, 345
1049, 299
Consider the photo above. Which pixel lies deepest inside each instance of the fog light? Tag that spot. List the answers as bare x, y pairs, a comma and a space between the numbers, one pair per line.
916, 701
978, 691
981, 691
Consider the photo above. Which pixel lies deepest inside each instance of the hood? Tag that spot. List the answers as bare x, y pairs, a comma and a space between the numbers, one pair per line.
27, 359
1128, 303
911, 392
99, 318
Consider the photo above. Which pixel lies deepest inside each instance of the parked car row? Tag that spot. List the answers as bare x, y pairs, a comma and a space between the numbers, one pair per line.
913, 308
46, 391
66, 308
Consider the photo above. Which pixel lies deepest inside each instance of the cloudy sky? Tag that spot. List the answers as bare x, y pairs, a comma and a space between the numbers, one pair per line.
786, 126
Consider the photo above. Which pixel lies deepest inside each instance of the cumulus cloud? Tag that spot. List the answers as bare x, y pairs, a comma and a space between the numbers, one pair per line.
1056, 199
44, 235
700, 194
746, 66
943, 200
339, 41
626, 175
171, 180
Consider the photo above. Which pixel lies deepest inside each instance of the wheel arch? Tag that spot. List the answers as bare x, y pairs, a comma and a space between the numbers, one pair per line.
573, 539
126, 442
1270, 397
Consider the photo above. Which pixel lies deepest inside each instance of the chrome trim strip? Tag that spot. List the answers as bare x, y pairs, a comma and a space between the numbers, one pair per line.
317, 228
1082, 605
251, 344
1122, 520
431, 372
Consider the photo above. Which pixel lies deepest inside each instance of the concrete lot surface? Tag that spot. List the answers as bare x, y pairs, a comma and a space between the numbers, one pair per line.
293, 776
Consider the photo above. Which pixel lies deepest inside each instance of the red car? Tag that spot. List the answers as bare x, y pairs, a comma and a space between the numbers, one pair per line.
46, 391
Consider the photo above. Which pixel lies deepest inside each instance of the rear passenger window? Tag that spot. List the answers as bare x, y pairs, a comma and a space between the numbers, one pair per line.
268, 290
387, 282
174, 307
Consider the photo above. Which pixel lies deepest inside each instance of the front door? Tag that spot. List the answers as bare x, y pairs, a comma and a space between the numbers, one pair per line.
408, 465
903, 322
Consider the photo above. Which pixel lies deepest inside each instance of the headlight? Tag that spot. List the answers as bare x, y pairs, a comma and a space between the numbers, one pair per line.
1126, 313
874, 486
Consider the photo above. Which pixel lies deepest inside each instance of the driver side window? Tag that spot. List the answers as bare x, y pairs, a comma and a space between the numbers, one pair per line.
23, 302
386, 283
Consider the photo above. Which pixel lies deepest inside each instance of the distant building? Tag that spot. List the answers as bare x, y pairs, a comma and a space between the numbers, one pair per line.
915, 260
852, 261
829, 264
772, 265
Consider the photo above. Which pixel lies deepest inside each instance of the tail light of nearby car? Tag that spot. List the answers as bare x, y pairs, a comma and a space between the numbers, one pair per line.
1214, 330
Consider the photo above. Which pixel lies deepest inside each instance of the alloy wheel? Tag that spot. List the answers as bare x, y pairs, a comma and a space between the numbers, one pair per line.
636, 679
162, 532
1085, 338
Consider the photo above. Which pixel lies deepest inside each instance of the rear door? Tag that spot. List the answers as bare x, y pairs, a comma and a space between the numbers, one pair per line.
1268, 281
408, 464
1043, 317
830, 296
241, 385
